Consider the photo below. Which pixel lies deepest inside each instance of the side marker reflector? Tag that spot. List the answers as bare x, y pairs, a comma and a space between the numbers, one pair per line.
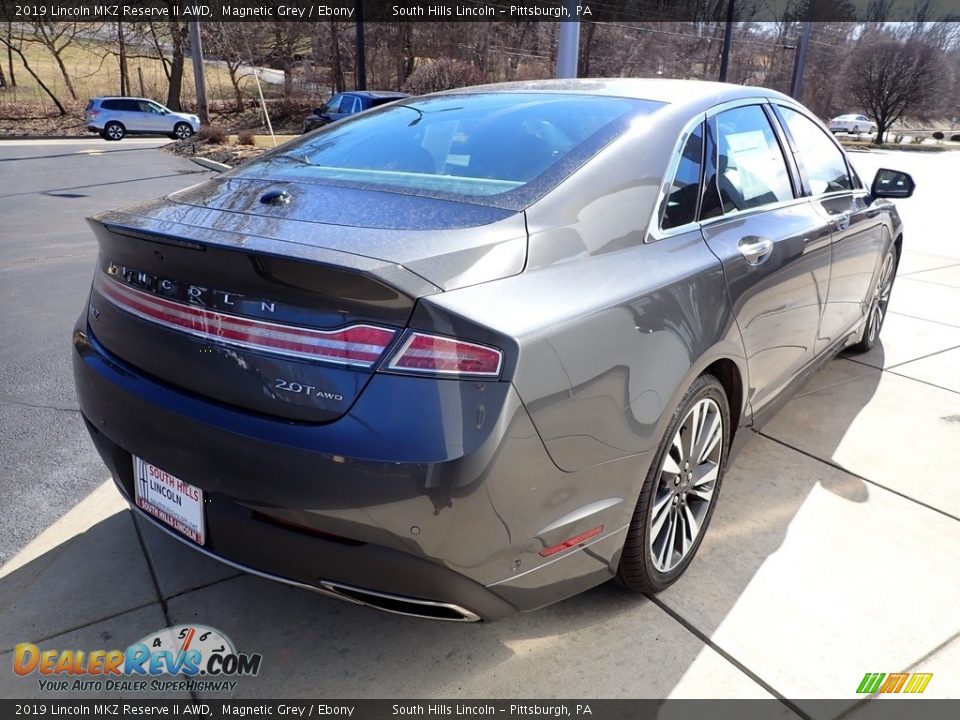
571, 542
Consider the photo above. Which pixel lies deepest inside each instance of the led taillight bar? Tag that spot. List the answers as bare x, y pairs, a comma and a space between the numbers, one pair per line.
358, 345
438, 355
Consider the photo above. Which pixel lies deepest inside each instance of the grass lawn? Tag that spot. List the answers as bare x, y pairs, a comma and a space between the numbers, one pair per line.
928, 146
93, 72
264, 141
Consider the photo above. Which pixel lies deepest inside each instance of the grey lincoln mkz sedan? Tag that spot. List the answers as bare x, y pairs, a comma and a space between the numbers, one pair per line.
475, 352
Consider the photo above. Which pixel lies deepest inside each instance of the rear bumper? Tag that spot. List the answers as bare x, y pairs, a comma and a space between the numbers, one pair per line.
441, 518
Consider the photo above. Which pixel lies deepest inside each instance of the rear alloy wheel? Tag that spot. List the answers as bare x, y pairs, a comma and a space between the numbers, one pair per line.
113, 131
878, 304
856, 129
680, 491
181, 131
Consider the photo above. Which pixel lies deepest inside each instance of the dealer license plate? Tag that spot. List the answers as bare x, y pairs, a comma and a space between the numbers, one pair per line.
169, 499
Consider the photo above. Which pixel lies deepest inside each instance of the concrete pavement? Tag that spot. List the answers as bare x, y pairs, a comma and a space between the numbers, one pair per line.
833, 551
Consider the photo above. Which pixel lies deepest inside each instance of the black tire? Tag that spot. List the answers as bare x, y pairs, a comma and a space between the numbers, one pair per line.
181, 131
113, 131
856, 129
880, 300
637, 570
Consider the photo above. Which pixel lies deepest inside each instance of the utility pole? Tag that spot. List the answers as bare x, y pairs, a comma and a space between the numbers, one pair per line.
727, 33
801, 56
360, 74
196, 55
568, 44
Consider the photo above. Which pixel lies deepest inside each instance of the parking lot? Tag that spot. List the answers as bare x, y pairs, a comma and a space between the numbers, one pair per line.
834, 551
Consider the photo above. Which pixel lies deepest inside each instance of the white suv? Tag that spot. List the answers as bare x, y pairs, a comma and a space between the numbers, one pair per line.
115, 117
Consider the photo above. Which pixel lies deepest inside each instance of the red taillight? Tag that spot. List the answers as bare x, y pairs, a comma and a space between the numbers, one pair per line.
571, 542
436, 355
360, 345
93, 113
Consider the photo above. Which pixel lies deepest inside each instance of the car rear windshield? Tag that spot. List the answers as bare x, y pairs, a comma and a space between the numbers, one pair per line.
500, 149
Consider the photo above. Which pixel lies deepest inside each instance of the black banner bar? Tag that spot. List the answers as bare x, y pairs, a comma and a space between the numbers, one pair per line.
457, 10
879, 708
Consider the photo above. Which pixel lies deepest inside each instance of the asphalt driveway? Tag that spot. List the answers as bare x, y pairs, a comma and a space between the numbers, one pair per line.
835, 549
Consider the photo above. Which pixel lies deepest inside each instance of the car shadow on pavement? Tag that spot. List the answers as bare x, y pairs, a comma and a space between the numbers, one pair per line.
719, 631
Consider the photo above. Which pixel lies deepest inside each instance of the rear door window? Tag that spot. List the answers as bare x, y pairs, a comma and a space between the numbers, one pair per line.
681, 201
751, 168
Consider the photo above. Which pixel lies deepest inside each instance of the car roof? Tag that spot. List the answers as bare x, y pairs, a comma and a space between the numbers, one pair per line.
695, 94
122, 97
376, 93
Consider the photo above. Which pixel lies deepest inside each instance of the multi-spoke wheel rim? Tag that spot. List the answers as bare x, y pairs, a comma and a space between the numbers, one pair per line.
686, 485
881, 298
183, 132
115, 132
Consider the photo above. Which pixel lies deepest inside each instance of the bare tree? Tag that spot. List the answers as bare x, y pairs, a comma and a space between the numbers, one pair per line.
442, 74
14, 44
285, 38
225, 42
405, 54
336, 60
890, 78
164, 36
13, 77
122, 58
178, 44
57, 37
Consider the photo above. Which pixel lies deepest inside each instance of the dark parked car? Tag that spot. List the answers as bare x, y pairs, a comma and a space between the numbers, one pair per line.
348, 103
475, 352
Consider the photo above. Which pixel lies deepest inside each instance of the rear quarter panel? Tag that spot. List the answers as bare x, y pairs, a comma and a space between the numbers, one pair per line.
609, 330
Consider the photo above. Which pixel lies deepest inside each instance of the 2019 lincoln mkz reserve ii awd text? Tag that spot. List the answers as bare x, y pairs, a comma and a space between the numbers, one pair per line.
475, 352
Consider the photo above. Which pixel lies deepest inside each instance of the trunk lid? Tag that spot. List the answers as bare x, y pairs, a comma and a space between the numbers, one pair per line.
282, 309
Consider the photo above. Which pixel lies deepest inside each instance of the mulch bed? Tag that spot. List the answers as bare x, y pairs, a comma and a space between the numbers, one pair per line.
219, 152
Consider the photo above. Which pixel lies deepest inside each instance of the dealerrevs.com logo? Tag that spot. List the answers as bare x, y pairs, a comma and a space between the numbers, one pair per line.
203, 658
909, 683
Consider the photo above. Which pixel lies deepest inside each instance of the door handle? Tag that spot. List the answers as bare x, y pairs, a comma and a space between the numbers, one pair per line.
841, 221
755, 250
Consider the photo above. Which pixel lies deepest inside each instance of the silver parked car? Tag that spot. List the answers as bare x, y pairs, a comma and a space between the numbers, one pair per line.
855, 124
474, 352
115, 117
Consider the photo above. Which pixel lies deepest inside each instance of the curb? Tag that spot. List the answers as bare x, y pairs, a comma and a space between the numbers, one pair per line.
211, 164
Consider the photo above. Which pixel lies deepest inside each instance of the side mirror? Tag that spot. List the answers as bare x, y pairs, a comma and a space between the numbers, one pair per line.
892, 184
318, 111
